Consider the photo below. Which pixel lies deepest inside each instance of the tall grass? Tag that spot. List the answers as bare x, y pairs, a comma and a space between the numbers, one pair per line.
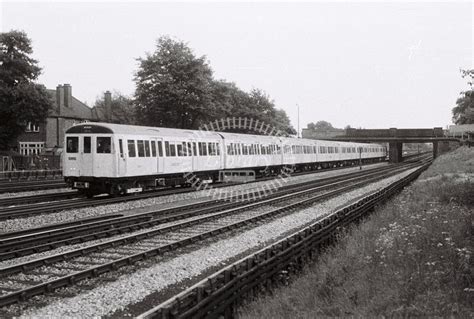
412, 257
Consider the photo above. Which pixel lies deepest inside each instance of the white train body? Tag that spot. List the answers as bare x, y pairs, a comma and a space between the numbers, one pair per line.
112, 158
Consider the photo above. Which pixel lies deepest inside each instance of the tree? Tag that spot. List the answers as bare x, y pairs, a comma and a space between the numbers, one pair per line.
282, 122
173, 86
230, 101
21, 100
463, 112
121, 107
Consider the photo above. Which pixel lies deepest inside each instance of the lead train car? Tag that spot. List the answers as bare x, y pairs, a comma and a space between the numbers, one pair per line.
119, 159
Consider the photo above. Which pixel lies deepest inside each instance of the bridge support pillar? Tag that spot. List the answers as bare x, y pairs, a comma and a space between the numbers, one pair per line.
395, 152
435, 149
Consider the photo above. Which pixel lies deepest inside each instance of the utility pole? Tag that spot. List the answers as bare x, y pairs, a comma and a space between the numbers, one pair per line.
298, 132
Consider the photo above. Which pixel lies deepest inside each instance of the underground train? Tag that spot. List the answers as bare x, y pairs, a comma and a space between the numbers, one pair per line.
120, 159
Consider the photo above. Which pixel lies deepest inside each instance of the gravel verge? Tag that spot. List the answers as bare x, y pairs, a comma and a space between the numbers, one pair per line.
128, 289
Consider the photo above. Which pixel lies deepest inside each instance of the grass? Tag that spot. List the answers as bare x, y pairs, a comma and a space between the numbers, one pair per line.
412, 257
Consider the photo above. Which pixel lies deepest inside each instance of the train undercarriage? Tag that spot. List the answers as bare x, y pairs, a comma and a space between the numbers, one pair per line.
91, 186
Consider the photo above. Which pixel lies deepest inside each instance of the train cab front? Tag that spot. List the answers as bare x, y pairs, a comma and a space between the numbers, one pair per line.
87, 158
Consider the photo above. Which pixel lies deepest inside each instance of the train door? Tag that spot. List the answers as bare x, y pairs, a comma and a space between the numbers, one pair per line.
159, 154
87, 160
122, 162
195, 157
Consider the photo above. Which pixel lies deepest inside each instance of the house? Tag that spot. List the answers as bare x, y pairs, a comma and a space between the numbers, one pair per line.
47, 137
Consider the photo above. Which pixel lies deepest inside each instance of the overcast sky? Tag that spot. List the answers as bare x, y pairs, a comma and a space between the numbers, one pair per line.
371, 65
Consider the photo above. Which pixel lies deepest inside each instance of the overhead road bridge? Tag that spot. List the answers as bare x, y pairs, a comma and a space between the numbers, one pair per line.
396, 137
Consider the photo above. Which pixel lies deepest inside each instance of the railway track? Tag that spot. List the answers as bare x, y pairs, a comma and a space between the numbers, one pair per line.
18, 206
23, 200
31, 241
223, 292
168, 231
23, 186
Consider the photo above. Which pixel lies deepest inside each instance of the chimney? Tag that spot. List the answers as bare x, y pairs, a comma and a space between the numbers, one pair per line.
59, 98
67, 95
108, 106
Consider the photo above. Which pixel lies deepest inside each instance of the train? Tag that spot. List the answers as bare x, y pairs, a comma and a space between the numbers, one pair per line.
122, 159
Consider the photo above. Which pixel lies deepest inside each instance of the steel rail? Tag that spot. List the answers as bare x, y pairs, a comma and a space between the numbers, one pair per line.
94, 271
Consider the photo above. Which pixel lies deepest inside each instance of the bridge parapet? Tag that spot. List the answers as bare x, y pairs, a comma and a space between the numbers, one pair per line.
394, 132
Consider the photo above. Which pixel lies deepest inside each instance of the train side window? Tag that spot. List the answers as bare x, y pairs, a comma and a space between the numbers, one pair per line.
172, 150
147, 148
160, 149
218, 149
194, 149
203, 149
72, 144
141, 148
229, 149
87, 144
121, 147
103, 145
167, 148
180, 150
190, 150
131, 148
153, 149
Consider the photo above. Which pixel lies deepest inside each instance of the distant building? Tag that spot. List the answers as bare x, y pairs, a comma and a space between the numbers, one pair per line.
321, 134
47, 137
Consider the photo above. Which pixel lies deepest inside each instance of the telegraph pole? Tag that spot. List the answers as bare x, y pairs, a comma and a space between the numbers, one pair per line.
298, 133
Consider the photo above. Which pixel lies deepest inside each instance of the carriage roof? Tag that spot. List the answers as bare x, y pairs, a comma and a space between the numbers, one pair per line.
108, 128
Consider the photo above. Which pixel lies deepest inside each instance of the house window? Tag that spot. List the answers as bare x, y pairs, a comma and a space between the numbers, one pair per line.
27, 148
31, 127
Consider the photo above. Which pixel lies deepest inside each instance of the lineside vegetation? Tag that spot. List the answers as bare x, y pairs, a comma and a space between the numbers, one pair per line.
412, 257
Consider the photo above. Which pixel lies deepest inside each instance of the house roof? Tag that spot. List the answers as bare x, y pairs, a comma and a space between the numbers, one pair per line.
78, 109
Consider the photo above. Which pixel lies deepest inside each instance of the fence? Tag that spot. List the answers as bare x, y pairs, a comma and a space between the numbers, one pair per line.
30, 167
32, 162
31, 174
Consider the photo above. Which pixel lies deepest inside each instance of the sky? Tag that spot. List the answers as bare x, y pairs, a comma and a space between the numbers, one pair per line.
365, 64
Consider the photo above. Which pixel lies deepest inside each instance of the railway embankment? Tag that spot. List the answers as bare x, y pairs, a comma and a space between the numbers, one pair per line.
411, 257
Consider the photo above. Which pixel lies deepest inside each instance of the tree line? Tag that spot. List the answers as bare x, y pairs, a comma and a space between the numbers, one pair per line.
174, 88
